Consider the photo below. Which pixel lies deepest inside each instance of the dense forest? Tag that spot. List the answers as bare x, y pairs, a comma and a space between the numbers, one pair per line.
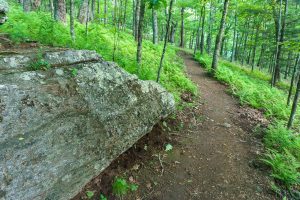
252, 46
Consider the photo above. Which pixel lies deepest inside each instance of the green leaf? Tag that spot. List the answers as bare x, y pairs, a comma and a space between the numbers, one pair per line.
89, 194
169, 147
102, 197
133, 187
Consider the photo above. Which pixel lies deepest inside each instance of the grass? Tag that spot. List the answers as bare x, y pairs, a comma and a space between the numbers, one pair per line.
253, 89
41, 27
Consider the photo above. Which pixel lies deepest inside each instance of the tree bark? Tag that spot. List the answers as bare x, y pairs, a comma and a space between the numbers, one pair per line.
182, 29
137, 17
35, 4
72, 31
26, 5
82, 16
165, 42
202, 30
140, 33
276, 74
294, 107
60, 10
292, 81
154, 26
51, 7
173, 31
234, 38
125, 14
254, 49
219, 37
105, 12
208, 40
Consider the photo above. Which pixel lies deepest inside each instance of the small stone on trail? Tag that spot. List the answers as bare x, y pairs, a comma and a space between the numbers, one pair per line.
227, 125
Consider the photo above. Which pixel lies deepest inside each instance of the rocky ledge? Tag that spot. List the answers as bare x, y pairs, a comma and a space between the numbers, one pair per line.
65, 115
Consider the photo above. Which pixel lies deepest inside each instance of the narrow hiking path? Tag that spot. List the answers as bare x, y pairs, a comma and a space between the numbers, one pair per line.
212, 157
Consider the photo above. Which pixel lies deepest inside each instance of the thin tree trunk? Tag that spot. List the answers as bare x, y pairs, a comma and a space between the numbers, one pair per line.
72, 31
208, 40
219, 37
105, 12
280, 35
133, 17
92, 15
254, 49
234, 37
137, 18
26, 5
294, 107
182, 29
165, 42
288, 65
292, 81
60, 11
51, 7
98, 7
140, 33
125, 14
172, 32
202, 30
154, 26
87, 18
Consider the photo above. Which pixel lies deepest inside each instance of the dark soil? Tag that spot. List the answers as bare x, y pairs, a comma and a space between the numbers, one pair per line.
214, 152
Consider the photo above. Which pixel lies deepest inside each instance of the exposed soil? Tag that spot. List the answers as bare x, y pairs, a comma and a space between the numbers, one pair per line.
214, 152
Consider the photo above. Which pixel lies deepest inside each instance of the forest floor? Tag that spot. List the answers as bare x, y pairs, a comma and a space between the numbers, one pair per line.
216, 147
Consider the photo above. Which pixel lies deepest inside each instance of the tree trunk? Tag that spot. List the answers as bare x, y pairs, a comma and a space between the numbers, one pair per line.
154, 26
182, 29
287, 67
172, 33
234, 38
276, 74
262, 51
125, 14
26, 5
292, 81
51, 7
140, 33
137, 17
82, 16
165, 42
208, 40
92, 15
72, 31
35, 4
60, 10
105, 12
98, 7
254, 49
202, 30
133, 17
294, 107
219, 37
87, 18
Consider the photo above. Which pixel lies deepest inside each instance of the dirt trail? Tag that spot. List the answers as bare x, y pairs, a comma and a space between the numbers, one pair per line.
212, 154
212, 159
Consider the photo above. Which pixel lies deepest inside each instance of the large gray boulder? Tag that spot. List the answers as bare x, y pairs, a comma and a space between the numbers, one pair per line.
3, 11
61, 127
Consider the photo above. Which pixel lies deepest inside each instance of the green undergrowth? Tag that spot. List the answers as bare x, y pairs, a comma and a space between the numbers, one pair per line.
41, 27
253, 89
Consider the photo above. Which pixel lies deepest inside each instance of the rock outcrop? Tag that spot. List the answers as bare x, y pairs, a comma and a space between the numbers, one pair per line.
62, 126
3, 11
